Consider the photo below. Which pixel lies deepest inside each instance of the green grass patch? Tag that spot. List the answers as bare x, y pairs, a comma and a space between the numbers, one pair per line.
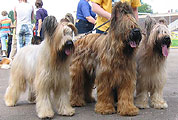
174, 43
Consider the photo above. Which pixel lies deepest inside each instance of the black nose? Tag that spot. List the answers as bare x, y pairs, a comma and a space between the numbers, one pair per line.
167, 38
69, 42
136, 30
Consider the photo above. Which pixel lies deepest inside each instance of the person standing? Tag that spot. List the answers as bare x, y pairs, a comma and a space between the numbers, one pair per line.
5, 24
85, 17
41, 13
23, 14
104, 8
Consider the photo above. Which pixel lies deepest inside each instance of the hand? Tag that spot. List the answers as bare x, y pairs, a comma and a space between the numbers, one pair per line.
38, 34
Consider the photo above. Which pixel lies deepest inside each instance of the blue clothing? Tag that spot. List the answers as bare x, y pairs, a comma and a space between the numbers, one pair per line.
25, 31
41, 13
84, 10
4, 37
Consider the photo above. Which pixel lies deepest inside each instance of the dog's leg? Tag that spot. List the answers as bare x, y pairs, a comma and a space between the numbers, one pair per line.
157, 100
89, 84
77, 85
43, 101
141, 99
125, 98
105, 101
63, 102
31, 94
16, 86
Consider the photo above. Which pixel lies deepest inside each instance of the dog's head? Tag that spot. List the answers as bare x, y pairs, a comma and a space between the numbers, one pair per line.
59, 37
159, 37
124, 27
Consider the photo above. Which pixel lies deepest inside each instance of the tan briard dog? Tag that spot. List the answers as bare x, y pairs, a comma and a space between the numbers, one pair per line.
151, 59
45, 68
108, 61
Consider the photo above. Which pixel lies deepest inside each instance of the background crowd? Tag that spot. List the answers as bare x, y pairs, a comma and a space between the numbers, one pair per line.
91, 15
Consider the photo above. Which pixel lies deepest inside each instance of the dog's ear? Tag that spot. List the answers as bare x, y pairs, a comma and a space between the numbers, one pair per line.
68, 27
49, 25
162, 21
73, 28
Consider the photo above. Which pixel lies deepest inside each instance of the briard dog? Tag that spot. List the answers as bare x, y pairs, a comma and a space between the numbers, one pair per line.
45, 68
151, 60
108, 61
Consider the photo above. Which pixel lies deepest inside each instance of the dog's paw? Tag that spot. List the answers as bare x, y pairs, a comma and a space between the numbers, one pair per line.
141, 104
78, 103
128, 110
46, 114
104, 108
67, 111
9, 101
159, 104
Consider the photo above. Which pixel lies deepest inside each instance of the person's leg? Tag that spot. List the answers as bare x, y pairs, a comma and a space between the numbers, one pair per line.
19, 36
82, 26
13, 46
3, 42
28, 34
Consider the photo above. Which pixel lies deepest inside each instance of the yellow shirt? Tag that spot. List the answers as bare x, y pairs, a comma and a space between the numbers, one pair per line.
107, 6
133, 3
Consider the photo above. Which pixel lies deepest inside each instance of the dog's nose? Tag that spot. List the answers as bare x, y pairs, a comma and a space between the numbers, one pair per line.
136, 30
167, 38
69, 43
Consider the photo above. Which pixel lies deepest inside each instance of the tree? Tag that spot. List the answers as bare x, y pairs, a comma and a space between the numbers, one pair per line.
11, 15
145, 8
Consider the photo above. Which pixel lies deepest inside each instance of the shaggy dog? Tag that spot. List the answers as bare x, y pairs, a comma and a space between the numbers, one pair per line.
151, 60
45, 68
107, 61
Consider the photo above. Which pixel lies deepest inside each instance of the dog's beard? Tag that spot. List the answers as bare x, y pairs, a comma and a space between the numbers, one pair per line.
135, 37
133, 41
67, 50
162, 45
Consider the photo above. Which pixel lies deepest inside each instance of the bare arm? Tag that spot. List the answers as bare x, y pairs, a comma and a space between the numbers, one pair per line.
39, 26
91, 19
32, 16
135, 11
100, 11
15, 14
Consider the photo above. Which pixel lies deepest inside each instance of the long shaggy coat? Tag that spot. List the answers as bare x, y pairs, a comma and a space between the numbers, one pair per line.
151, 64
45, 68
109, 62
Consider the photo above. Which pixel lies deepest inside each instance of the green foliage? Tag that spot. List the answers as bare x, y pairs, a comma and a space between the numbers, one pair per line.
11, 16
174, 43
145, 8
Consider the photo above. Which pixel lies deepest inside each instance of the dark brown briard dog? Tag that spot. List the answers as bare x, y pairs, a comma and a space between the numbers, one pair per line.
151, 58
108, 62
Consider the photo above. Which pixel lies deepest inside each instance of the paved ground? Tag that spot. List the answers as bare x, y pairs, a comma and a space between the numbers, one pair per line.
26, 111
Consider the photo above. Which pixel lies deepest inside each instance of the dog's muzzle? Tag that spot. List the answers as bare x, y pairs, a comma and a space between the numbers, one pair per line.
135, 37
166, 42
69, 47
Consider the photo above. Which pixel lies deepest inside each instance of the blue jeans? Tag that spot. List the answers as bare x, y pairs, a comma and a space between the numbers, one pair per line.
4, 37
84, 26
24, 32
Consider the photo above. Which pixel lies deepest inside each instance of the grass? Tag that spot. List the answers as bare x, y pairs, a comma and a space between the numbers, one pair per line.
174, 43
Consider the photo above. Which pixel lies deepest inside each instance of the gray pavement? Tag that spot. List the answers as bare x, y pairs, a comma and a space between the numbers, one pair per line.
26, 111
